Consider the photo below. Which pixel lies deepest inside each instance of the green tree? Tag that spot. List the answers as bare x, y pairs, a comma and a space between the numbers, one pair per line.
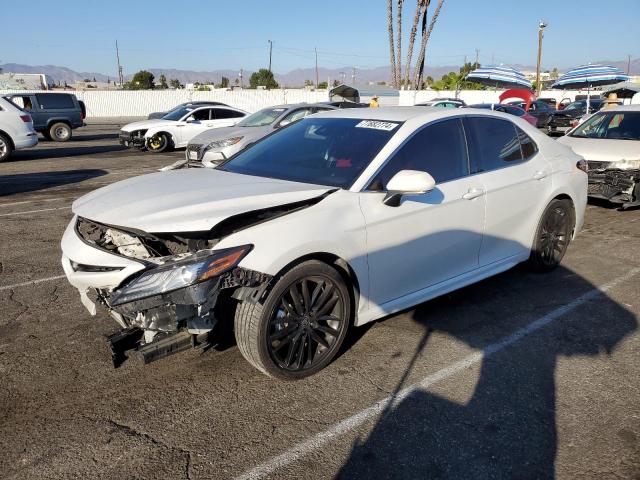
175, 83
323, 85
142, 80
224, 83
163, 82
262, 77
308, 83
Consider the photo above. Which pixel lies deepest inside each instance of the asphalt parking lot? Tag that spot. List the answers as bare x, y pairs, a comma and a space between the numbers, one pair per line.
520, 376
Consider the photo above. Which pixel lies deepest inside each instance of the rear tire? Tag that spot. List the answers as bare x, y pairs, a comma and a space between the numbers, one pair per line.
160, 142
60, 132
5, 147
552, 236
299, 328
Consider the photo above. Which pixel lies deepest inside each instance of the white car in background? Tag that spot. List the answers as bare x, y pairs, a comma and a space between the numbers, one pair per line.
16, 129
177, 127
610, 142
336, 220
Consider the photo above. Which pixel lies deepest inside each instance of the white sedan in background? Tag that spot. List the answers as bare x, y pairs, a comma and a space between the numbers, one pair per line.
610, 142
334, 221
177, 127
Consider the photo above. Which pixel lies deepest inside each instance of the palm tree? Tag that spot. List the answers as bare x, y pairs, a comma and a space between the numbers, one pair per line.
399, 44
421, 8
423, 45
392, 55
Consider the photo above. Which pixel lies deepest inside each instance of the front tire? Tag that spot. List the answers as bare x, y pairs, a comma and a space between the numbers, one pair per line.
160, 142
552, 236
5, 147
299, 328
60, 132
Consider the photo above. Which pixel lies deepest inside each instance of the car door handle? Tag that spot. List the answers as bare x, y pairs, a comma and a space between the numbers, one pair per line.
539, 175
473, 193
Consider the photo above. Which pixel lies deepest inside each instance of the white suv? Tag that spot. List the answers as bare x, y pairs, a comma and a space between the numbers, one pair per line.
16, 129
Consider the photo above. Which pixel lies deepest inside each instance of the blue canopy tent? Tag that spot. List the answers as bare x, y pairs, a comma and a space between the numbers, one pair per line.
590, 76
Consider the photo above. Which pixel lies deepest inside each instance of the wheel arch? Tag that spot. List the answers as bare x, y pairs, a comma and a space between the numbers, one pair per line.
52, 121
343, 267
6, 134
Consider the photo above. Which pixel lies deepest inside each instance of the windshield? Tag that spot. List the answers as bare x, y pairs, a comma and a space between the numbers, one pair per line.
177, 113
612, 125
321, 151
262, 118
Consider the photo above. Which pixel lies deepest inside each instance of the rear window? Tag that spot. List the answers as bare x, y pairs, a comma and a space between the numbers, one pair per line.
55, 101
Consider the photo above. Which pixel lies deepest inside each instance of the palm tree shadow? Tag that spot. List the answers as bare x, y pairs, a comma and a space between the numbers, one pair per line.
507, 429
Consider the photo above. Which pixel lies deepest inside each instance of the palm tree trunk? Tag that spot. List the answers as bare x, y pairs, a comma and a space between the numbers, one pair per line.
421, 7
423, 46
392, 54
399, 44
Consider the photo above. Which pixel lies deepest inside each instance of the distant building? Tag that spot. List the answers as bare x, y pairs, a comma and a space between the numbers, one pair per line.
25, 81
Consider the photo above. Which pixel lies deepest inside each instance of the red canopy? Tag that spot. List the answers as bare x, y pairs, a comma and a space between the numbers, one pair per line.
526, 95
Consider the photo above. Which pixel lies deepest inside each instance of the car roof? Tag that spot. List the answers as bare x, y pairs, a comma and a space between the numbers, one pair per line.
397, 114
623, 108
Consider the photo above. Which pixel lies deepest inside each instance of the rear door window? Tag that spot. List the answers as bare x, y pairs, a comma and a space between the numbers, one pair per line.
55, 101
493, 143
223, 113
437, 149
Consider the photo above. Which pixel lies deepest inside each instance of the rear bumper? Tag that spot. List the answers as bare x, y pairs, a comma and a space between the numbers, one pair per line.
26, 141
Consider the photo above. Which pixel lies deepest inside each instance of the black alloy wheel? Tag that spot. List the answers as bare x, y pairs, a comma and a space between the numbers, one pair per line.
299, 327
306, 323
553, 235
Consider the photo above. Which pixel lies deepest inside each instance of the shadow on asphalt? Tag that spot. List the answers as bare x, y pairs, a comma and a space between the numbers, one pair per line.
31, 182
70, 151
507, 429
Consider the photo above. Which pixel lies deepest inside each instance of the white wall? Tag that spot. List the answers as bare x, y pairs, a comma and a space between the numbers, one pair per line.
411, 97
139, 103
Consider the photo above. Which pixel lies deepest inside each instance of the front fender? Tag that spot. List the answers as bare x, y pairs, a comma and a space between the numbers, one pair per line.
335, 226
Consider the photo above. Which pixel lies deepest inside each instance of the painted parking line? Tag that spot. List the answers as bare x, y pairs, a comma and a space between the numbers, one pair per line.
31, 282
341, 428
34, 211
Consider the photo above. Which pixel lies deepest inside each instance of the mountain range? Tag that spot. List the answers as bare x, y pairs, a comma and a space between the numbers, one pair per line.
293, 78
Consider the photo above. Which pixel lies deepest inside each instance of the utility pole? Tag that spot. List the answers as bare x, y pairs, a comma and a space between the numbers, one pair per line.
628, 64
240, 75
353, 76
342, 77
541, 26
270, 50
316, 49
120, 76
477, 56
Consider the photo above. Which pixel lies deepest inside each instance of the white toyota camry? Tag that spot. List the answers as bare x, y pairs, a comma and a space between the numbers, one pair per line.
178, 126
334, 221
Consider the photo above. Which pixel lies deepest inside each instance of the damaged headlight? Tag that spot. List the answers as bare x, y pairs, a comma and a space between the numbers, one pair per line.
625, 165
227, 142
180, 274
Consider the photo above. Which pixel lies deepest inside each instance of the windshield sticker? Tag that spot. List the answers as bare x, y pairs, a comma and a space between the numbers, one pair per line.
279, 109
377, 125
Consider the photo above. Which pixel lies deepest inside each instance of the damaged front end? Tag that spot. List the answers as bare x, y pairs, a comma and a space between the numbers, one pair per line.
134, 139
617, 182
174, 302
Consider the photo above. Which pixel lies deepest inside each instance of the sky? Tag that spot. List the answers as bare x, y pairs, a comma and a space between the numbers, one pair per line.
199, 35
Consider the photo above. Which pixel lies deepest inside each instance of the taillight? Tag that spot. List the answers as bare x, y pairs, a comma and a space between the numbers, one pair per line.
583, 165
26, 118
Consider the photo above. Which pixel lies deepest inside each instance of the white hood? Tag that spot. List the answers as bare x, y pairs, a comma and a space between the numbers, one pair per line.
187, 200
603, 150
146, 124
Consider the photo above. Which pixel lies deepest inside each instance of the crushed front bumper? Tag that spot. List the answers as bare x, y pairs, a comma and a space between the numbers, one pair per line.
132, 139
156, 325
615, 185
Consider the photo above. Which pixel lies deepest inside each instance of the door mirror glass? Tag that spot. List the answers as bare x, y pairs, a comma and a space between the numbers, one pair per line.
408, 182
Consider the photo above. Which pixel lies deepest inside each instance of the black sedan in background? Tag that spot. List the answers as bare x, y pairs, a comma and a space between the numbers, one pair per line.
539, 109
563, 120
